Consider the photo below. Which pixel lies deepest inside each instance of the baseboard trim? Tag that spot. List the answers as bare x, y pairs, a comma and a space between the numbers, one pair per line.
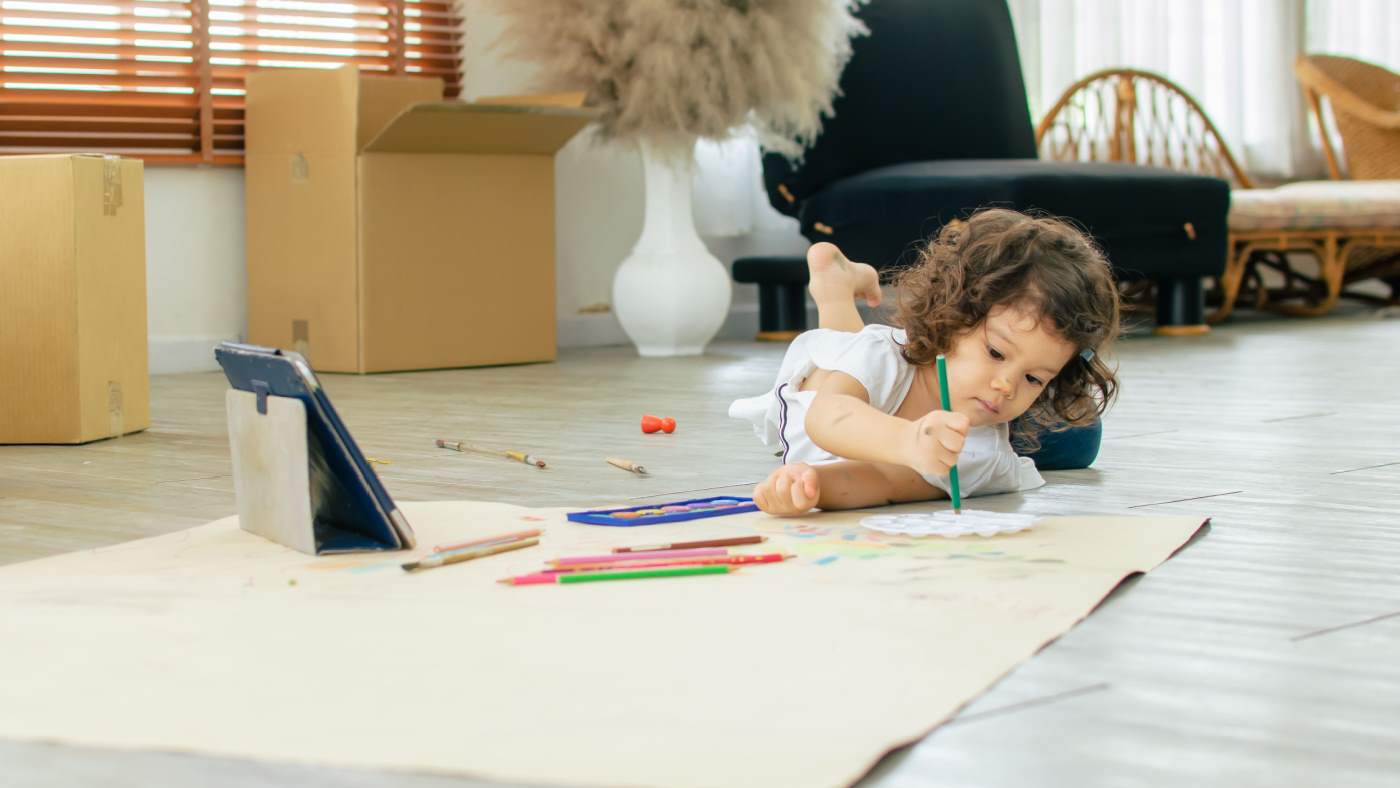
173, 354
595, 329
602, 329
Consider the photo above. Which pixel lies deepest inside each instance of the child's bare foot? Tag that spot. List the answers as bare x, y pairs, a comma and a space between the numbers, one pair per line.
834, 279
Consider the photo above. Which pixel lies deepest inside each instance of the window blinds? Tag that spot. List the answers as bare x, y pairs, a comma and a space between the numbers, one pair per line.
163, 79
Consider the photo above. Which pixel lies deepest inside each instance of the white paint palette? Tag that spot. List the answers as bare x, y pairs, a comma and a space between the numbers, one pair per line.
950, 525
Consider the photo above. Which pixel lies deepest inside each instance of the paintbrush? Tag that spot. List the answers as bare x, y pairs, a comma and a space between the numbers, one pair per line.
518, 456
458, 556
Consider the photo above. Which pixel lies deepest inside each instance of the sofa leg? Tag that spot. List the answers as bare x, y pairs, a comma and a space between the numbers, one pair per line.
1229, 281
782, 311
1181, 307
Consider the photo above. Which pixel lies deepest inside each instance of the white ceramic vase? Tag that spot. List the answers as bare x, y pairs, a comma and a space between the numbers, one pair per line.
670, 294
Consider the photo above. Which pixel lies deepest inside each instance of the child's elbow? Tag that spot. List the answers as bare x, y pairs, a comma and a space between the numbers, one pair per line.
821, 430
827, 412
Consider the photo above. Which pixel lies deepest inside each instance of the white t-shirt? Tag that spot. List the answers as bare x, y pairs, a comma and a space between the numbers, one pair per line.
987, 465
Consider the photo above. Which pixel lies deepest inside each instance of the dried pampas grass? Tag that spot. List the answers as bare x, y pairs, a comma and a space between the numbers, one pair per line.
672, 71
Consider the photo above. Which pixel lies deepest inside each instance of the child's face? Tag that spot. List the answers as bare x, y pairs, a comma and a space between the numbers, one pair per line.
998, 369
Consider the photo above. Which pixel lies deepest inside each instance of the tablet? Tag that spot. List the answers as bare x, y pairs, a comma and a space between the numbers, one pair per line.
351, 510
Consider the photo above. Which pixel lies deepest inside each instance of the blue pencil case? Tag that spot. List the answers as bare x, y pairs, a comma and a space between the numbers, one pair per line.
674, 512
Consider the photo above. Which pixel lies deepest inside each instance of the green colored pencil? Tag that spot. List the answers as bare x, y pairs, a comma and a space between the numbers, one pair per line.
588, 577
942, 364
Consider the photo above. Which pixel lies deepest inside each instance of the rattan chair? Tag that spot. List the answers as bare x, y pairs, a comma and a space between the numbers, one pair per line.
1364, 103
1128, 115
1139, 117
1144, 118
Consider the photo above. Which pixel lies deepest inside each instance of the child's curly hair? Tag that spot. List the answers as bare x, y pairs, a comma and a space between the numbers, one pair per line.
1001, 257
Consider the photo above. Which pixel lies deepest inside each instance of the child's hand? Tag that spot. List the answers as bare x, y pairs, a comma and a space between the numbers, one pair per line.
936, 440
788, 490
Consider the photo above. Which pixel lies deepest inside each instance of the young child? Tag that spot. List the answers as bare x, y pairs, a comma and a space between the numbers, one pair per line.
1020, 306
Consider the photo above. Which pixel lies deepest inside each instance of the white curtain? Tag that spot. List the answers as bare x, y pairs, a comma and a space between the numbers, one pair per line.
1364, 29
1234, 56
727, 192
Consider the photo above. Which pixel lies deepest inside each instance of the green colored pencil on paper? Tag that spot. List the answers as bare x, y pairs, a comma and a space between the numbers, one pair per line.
953, 492
680, 571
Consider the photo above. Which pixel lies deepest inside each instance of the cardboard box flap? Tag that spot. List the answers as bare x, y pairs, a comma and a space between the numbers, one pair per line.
456, 127
382, 98
573, 98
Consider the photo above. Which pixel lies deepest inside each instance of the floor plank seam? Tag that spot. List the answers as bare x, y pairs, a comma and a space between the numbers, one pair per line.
195, 479
1032, 703
1340, 627
1182, 500
1296, 418
1138, 435
1366, 468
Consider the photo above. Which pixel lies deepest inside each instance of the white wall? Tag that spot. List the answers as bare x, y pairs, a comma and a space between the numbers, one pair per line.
195, 285
194, 233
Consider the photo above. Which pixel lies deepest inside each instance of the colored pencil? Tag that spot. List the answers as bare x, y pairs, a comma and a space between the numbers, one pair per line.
611, 557
765, 558
518, 456
640, 574
589, 577
458, 556
728, 542
953, 491
533, 579
518, 535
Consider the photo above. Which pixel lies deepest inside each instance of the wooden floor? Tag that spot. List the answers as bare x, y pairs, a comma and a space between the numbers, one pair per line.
1266, 653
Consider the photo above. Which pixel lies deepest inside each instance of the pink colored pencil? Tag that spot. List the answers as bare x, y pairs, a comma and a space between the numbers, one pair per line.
537, 578
643, 563
443, 548
651, 555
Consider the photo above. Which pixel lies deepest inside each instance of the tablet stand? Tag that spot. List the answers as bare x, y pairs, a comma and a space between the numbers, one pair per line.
271, 477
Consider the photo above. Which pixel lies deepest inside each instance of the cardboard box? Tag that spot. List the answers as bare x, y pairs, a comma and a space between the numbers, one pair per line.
389, 230
72, 299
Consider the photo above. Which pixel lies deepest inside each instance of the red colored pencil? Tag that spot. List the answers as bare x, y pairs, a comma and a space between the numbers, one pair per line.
622, 559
